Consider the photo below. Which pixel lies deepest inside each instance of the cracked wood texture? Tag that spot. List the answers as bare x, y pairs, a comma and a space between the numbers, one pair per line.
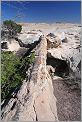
39, 104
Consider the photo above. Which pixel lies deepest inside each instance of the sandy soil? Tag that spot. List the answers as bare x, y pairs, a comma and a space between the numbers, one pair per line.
68, 101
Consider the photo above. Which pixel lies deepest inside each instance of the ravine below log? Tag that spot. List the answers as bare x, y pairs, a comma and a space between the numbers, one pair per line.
61, 67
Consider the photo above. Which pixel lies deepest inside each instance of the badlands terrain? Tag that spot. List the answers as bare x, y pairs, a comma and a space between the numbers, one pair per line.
51, 89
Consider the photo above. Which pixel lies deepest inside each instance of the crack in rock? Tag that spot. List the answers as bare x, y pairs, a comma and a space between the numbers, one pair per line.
35, 110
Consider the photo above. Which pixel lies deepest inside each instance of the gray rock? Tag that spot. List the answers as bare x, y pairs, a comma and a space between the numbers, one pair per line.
65, 40
70, 52
51, 35
30, 37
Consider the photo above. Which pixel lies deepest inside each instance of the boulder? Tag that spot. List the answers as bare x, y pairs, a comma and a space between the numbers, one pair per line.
51, 35
65, 40
30, 37
53, 42
69, 52
10, 45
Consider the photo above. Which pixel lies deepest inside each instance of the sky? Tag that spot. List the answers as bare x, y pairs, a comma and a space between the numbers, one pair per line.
41, 11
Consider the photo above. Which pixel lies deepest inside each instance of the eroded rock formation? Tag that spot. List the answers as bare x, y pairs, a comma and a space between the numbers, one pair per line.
69, 51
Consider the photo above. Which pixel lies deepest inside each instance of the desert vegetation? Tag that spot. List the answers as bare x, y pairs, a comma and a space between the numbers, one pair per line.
13, 72
10, 29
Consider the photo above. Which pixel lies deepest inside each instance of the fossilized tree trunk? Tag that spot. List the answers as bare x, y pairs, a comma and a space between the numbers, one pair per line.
35, 101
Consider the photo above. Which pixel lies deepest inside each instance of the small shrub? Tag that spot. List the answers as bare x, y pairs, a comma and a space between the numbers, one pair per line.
19, 28
12, 27
13, 71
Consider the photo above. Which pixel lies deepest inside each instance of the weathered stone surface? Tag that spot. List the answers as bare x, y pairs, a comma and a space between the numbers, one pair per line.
69, 51
35, 100
21, 40
65, 40
53, 42
30, 37
50, 69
